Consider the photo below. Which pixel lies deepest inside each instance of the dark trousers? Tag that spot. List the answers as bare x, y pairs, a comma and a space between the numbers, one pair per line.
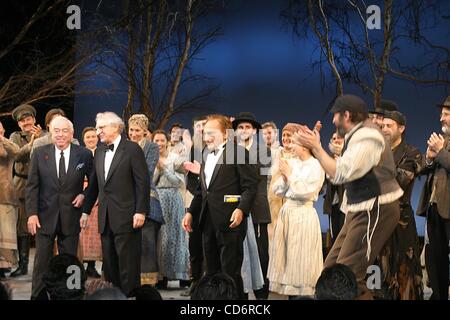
224, 252
44, 252
122, 258
436, 253
196, 253
262, 240
149, 257
350, 247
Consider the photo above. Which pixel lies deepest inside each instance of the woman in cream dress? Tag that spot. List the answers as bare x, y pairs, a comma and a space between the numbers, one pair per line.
296, 259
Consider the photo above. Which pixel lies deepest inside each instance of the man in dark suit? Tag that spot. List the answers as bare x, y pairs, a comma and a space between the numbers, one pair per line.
435, 205
54, 196
226, 192
246, 128
121, 182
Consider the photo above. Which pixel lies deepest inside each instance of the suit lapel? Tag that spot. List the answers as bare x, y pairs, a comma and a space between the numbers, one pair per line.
73, 161
202, 169
116, 159
217, 168
100, 167
51, 162
202, 177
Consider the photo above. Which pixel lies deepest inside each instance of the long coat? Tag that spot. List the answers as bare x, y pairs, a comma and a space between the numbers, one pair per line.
8, 152
438, 171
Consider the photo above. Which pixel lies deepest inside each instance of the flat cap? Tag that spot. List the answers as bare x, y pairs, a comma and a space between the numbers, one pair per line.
349, 102
23, 111
396, 116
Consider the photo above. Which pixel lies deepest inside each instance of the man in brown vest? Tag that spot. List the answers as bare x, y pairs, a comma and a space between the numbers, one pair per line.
435, 205
367, 171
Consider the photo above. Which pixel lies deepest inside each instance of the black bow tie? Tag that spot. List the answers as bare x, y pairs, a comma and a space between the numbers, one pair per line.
215, 151
109, 147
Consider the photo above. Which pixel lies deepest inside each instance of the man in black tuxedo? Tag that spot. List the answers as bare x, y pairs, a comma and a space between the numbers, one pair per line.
246, 128
227, 189
54, 196
121, 182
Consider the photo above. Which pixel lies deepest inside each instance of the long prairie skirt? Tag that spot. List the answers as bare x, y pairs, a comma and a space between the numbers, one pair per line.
173, 252
8, 236
296, 260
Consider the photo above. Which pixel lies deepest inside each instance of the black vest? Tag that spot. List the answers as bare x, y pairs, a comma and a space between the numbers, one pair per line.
379, 180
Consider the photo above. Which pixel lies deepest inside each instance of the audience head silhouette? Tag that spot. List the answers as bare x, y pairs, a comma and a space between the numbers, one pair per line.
65, 278
107, 294
337, 282
145, 292
216, 287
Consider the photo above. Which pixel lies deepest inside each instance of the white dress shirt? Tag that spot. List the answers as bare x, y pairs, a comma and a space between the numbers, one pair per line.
362, 154
66, 153
109, 155
210, 164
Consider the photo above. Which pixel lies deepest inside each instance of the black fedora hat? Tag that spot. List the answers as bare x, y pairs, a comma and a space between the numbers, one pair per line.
385, 106
246, 117
446, 103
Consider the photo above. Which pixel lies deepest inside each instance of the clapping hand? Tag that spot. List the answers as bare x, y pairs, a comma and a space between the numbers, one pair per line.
307, 138
436, 142
160, 164
36, 131
317, 126
285, 168
193, 167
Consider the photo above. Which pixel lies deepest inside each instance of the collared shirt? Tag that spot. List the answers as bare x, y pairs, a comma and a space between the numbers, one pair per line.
66, 153
248, 146
109, 155
210, 163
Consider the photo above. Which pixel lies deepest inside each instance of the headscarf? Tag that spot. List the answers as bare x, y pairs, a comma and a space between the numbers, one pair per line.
292, 127
139, 120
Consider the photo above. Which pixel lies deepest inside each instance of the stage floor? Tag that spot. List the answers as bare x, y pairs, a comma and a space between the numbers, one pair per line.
22, 287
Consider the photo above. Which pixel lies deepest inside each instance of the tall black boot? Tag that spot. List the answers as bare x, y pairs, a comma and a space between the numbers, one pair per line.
24, 253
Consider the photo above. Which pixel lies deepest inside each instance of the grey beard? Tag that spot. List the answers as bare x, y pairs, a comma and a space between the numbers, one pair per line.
446, 130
